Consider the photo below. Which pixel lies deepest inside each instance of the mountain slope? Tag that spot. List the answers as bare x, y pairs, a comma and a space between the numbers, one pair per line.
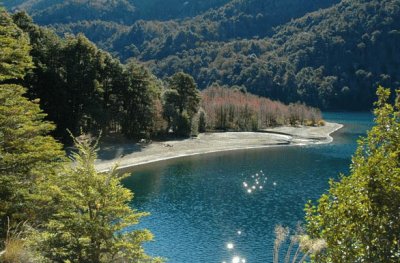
48, 12
237, 19
328, 53
333, 58
157, 29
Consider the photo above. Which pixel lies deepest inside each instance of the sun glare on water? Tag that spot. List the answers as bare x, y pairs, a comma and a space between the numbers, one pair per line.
255, 182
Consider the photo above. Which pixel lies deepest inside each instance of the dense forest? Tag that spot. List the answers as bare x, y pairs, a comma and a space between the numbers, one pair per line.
119, 11
333, 58
330, 54
83, 88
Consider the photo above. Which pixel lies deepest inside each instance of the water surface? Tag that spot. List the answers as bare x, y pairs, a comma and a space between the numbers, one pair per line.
200, 204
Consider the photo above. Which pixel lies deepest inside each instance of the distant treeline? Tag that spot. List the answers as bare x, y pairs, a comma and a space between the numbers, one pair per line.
233, 109
83, 88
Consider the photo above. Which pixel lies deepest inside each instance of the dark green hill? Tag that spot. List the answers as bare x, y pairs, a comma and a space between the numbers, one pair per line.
174, 9
328, 53
162, 28
48, 12
237, 19
332, 58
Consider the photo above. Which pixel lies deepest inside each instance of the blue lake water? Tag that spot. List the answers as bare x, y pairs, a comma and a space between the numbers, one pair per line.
199, 204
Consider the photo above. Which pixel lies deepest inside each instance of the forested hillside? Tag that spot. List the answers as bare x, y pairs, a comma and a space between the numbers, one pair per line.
121, 11
236, 20
333, 58
331, 54
154, 29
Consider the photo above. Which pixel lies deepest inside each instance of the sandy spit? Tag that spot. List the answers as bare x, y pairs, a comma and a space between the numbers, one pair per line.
129, 155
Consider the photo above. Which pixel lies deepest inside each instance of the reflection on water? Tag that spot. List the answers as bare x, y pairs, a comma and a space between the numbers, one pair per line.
230, 246
256, 183
200, 204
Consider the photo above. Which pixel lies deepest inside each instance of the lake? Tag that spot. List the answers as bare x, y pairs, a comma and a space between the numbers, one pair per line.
200, 204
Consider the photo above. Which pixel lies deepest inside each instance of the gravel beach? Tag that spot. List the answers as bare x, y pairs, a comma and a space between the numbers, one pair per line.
133, 154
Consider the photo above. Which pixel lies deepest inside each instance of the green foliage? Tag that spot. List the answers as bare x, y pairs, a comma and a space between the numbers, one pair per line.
14, 55
189, 96
181, 103
184, 125
83, 87
236, 19
324, 53
94, 222
29, 158
69, 213
120, 11
139, 102
72, 78
327, 58
359, 216
57, 11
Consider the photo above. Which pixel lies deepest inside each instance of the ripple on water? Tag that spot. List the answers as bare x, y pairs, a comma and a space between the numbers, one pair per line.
200, 204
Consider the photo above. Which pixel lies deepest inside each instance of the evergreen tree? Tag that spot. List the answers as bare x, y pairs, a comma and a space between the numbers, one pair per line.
189, 96
14, 45
181, 103
77, 214
139, 97
84, 93
95, 222
360, 217
82, 87
28, 157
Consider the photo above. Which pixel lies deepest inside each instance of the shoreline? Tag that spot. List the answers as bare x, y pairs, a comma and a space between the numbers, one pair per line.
131, 155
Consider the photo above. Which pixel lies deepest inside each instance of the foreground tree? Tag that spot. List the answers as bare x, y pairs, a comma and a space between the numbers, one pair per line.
360, 216
28, 156
50, 212
94, 216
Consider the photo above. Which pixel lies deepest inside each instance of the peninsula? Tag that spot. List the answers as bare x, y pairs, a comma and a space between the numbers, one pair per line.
135, 154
